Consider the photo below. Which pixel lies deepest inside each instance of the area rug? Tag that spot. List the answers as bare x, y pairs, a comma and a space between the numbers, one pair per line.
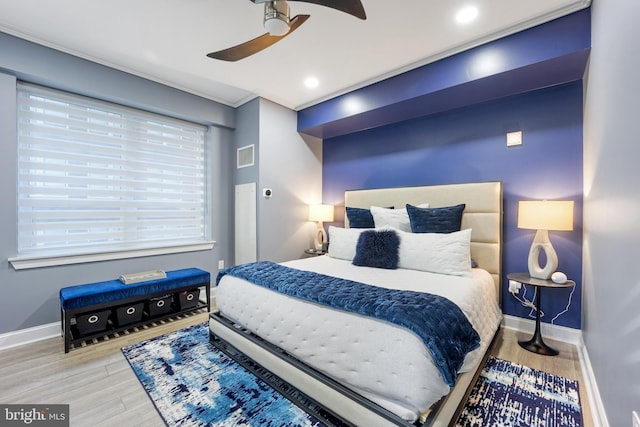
508, 394
192, 383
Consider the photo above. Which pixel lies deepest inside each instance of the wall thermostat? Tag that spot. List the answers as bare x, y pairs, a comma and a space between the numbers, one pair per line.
267, 192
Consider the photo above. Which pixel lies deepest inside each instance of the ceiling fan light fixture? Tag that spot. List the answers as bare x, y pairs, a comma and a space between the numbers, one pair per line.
276, 18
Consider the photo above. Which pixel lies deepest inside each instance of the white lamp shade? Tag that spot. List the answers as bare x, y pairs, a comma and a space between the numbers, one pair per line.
543, 216
546, 215
321, 213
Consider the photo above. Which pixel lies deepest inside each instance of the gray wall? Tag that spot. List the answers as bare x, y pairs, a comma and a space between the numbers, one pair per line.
30, 297
291, 166
611, 281
247, 133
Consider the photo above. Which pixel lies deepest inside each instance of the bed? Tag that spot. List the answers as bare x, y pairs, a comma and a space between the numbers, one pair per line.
373, 371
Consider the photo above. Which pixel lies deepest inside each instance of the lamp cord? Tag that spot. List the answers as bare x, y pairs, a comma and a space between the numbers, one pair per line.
526, 303
573, 288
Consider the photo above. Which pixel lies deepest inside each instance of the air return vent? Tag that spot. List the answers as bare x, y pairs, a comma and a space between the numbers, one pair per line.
245, 156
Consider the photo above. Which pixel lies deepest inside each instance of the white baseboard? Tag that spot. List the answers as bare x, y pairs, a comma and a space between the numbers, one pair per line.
29, 335
597, 407
553, 332
571, 336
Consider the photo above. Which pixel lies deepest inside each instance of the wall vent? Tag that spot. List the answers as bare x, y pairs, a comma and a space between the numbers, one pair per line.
245, 156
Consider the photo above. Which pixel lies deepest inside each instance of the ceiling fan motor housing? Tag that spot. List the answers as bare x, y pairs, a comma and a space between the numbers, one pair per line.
278, 23
276, 17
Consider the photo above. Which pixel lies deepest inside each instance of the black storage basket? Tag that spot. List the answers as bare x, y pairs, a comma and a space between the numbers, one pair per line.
187, 299
91, 323
129, 313
159, 306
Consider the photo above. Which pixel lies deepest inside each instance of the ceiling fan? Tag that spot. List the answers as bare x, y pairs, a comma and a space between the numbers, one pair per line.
279, 25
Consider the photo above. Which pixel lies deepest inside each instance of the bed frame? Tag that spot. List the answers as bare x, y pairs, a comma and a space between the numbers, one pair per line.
483, 214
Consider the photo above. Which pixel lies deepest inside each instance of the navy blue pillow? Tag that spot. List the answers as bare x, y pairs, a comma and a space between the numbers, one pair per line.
435, 220
360, 218
377, 249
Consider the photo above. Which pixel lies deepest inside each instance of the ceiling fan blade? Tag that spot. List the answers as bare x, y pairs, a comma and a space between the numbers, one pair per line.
262, 42
352, 7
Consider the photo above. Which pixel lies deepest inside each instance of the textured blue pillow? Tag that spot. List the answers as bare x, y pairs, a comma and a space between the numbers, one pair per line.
435, 220
377, 249
360, 218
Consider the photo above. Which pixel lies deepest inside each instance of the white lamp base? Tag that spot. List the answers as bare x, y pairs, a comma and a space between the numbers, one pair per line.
540, 243
320, 239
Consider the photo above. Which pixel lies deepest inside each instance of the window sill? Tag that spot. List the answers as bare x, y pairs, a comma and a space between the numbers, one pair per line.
25, 263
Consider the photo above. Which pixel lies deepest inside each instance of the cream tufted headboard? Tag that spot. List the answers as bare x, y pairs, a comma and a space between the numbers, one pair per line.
483, 213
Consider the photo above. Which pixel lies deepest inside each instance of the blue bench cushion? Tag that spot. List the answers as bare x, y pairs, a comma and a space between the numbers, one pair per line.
73, 297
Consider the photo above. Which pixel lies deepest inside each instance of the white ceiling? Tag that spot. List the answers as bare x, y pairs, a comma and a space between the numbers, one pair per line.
167, 40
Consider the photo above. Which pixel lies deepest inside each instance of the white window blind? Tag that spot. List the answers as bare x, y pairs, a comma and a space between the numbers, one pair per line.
98, 177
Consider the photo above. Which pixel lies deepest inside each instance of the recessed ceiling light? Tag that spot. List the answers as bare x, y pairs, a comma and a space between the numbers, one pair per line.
353, 105
311, 82
467, 14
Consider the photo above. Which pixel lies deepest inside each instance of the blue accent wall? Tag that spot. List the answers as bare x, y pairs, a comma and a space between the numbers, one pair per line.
545, 55
469, 144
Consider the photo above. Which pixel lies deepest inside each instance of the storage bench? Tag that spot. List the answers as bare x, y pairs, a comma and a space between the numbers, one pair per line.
96, 309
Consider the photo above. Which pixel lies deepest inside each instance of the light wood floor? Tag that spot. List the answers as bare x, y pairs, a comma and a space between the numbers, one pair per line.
566, 364
102, 390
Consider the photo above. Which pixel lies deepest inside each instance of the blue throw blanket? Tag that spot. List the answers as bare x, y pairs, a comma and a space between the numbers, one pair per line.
440, 323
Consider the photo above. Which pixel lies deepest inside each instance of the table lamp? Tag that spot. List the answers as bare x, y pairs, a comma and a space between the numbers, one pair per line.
543, 216
320, 213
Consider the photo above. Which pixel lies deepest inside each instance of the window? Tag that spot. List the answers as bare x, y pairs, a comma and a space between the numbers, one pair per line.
99, 177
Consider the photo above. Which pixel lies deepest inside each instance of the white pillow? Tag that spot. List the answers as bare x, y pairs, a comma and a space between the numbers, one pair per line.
442, 253
395, 218
343, 241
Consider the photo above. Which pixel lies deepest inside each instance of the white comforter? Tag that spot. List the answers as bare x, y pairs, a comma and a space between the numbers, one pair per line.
384, 362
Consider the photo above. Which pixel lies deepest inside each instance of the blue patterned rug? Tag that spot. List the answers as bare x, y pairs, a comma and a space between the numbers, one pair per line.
508, 394
191, 383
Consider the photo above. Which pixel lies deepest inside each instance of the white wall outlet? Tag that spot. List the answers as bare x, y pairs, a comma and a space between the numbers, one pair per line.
636, 419
514, 286
514, 138
220, 264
